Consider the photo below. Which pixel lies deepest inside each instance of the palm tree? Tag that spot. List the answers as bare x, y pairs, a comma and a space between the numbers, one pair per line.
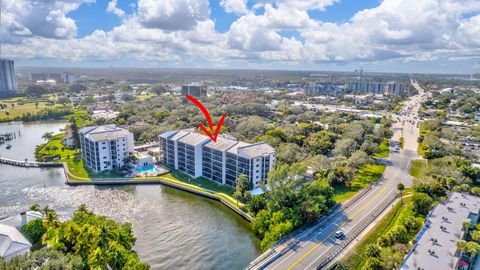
401, 188
35, 207
461, 246
475, 235
104, 236
466, 226
51, 220
47, 136
473, 248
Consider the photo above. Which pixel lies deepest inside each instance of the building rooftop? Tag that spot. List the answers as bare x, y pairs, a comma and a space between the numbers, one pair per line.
105, 132
180, 134
234, 149
255, 150
12, 241
20, 219
194, 139
435, 246
222, 144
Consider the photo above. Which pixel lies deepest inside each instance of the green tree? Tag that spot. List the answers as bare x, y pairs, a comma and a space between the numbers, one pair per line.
34, 230
401, 188
242, 188
35, 207
374, 251
421, 203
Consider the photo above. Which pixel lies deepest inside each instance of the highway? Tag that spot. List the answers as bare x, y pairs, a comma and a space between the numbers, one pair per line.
311, 247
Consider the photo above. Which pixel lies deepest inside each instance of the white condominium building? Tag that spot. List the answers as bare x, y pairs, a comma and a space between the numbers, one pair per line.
221, 161
105, 147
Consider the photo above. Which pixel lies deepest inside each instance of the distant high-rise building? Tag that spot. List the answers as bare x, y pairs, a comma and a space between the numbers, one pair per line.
367, 87
59, 77
8, 81
395, 88
194, 90
328, 89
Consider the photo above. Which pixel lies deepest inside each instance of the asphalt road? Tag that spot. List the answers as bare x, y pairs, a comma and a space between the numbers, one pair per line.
311, 247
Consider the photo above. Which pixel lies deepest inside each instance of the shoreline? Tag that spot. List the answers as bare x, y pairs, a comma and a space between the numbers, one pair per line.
70, 180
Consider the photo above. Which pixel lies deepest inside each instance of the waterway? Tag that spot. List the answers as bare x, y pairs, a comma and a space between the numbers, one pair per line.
174, 229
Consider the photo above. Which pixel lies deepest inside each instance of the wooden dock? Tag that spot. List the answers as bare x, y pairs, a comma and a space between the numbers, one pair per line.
26, 163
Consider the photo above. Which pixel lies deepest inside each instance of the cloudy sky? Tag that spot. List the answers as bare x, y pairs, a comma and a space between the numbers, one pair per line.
441, 36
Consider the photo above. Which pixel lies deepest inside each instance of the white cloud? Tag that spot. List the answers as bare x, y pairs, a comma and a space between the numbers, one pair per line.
182, 30
48, 19
234, 6
112, 8
172, 15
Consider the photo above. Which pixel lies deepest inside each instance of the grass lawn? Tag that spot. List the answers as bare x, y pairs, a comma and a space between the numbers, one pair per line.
418, 168
82, 117
144, 97
61, 150
356, 259
365, 175
200, 182
420, 150
384, 150
19, 109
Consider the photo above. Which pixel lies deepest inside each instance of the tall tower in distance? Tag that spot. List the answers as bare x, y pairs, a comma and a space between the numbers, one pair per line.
8, 81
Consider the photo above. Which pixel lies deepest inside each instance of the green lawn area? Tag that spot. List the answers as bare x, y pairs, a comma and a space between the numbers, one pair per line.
365, 175
82, 117
356, 259
200, 182
144, 97
418, 168
420, 150
19, 109
384, 150
55, 147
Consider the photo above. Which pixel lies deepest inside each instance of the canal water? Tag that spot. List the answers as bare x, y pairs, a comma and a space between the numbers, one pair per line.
174, 229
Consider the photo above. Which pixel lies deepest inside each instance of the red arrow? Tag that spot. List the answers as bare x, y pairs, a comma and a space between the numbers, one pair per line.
210, 133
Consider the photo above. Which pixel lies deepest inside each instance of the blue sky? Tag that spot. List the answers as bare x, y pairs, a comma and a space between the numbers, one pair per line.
437, 36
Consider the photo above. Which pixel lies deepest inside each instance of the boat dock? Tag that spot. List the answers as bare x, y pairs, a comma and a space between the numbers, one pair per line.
27, 163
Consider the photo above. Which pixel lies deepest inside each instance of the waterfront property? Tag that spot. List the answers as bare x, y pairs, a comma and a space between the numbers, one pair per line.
221, 161
435, 245
19, 220
105, 148
12, 242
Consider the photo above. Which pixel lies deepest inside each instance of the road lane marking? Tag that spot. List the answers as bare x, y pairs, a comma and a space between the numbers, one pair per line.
313, 230
304, 255
370, 202
346, 233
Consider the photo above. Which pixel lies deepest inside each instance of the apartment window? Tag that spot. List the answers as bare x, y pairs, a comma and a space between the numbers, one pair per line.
104, 147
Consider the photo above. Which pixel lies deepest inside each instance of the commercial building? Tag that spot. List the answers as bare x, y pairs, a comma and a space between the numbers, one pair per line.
327, 89
8, 80
221, 161
194, 90
394, 88
367, 87
105, 147
58, 77
435, 245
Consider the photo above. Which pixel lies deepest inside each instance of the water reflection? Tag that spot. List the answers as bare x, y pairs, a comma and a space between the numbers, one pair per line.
174, 229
